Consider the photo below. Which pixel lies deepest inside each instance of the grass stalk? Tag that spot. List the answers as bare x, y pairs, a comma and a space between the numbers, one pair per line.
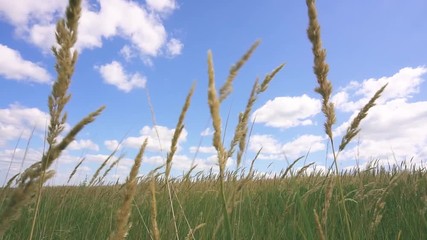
123, 214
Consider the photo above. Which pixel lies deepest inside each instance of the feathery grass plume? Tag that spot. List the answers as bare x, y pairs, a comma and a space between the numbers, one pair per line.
66, 37
75, 169
178, 129
154, 226
111, 167
214, 106
242, 127
104, 163
354, 129
124, 212
320, 68
36, 175
226, 89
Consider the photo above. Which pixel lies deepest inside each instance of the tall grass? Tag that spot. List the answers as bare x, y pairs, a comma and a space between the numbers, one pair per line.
375, 203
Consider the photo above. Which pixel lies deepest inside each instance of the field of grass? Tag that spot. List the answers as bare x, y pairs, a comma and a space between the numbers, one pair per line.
381, 205
374, 203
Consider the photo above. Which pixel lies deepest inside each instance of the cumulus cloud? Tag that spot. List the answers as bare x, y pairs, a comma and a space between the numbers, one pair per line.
403, 84
182, 163
161, 5
159, 139
395, 128
203, 149
23, 12
14, 67
287, 112
83, 144
142, 26
272, 149
112, 144
114, 74
17, 120
303, 145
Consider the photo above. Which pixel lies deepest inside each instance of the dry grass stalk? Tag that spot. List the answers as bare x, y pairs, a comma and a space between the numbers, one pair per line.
319, 226
353, 129
124, 212
75, 169
33, 177
227, 87
154, 226
240, 134
320, 68
190, 235
104, 163
214, 106
66, 37
328, 199
111, 167
178, 129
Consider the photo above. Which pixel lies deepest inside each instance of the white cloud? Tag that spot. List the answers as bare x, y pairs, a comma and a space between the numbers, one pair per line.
393, 129
83, 144
273, 149
403, 84
174, 47
162, 5
203, 149
159, 138
17, 120
305, 144
287, 112
13, 66
143, 28
111, 144
114, 74
21, 13
127, 52
267, 143
207, 132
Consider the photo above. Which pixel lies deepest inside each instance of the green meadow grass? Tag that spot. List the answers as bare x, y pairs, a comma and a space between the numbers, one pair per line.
267, 209
376, 203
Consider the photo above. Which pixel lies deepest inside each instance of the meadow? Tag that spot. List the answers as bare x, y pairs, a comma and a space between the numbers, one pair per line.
376, 202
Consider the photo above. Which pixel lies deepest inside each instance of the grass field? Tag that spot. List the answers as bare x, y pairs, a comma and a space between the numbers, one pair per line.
381, 205
373, 203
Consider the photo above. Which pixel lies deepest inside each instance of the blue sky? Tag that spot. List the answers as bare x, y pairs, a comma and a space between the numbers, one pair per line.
131, 48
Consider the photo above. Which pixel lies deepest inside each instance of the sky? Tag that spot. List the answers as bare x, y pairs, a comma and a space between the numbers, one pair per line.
133, 54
